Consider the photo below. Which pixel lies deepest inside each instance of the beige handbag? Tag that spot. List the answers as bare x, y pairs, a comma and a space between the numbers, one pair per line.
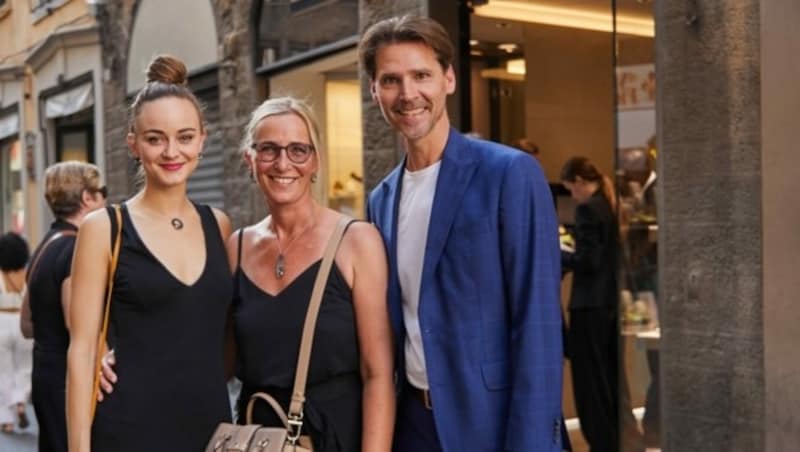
256, 438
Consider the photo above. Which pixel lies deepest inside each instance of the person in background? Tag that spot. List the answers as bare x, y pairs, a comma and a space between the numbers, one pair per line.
15, 350
350, 395
472, 239
593, 320
171, 293
72, 190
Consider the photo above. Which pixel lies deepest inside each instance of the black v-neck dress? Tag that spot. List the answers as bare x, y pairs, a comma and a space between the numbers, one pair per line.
168, 339
268, 329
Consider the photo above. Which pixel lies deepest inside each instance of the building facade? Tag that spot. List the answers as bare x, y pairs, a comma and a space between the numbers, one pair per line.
715, 255
50, 101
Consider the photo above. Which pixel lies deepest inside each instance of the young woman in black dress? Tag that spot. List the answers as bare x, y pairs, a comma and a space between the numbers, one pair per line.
172, 290
350, 394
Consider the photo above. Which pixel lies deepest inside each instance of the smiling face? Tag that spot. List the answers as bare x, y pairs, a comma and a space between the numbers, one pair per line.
411, 89
168, 139
282, 180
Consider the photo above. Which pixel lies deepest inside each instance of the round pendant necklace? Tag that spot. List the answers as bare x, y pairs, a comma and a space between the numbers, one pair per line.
280, 261
177, 224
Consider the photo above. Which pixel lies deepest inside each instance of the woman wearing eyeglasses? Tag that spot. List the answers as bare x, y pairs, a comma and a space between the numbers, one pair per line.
350, 393
72, 190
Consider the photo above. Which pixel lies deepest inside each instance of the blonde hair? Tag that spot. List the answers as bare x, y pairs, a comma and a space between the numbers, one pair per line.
64, 184
286, 105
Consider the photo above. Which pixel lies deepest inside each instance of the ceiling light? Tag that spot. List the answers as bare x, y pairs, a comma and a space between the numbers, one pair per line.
565, 17
502, 74
473, 42
507, 46
516, 66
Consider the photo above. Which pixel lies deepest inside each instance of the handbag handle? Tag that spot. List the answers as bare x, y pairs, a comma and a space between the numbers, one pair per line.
272, 402
298, 392
101, 340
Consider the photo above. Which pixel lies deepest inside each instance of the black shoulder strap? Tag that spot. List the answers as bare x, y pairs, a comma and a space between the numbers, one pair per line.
239, 249
42, 248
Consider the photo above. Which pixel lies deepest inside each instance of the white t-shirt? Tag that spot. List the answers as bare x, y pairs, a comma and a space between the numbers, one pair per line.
414, 215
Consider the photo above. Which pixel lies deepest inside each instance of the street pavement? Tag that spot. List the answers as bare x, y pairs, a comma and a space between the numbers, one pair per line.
21, 440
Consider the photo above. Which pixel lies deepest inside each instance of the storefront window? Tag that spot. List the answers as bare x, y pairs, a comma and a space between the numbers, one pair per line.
284, 34
12, 210
75, 137
578, 79
344, 145
636, 181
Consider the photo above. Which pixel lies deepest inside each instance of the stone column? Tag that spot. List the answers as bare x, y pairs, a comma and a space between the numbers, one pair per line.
238, 97
116, 22
726, 90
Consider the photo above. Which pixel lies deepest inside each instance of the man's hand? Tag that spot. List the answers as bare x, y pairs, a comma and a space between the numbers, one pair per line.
107, 376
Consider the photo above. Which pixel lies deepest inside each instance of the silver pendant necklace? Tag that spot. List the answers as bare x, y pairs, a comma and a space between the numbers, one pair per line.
280, 260
177, 224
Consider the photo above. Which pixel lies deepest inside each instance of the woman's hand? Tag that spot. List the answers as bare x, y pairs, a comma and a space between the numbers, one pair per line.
107, 376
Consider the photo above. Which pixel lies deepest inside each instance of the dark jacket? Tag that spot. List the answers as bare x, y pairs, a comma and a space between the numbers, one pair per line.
594, 262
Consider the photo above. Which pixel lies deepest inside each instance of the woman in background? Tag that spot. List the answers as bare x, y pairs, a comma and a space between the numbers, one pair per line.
593, 333
15, 350
72, 191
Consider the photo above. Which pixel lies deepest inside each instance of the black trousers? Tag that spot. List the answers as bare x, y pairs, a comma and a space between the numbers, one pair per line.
415, 430
48, 391
595, 361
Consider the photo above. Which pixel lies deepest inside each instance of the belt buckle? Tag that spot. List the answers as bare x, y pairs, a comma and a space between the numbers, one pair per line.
426, 398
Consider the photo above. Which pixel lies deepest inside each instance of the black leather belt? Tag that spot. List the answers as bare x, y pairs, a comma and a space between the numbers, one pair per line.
423, 395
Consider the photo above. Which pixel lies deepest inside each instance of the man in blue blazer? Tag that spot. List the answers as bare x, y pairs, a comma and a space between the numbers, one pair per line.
472, 241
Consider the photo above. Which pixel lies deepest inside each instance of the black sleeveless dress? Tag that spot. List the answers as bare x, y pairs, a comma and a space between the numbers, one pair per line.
168, 339
268, 329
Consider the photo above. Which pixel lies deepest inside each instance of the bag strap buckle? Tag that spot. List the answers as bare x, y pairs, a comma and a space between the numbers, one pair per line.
295, 422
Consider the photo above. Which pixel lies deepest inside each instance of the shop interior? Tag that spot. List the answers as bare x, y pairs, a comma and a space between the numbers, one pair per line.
577, 77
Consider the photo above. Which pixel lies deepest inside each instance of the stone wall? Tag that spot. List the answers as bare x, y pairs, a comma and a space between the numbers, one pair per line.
116, 22
237, 98
382, 150
710, 225
239, 95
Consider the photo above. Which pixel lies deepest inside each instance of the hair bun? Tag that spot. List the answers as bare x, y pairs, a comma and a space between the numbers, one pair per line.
167, 69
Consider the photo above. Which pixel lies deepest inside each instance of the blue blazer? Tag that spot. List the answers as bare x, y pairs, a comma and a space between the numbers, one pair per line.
489, 298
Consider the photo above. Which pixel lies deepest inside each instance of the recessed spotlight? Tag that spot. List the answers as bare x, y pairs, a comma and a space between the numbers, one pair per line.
507, 46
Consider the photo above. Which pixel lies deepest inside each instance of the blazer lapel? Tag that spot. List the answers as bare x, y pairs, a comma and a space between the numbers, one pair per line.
392, 187
458, 166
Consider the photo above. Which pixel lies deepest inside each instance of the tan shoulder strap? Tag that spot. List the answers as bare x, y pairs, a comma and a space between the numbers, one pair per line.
101, 340
298, 393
